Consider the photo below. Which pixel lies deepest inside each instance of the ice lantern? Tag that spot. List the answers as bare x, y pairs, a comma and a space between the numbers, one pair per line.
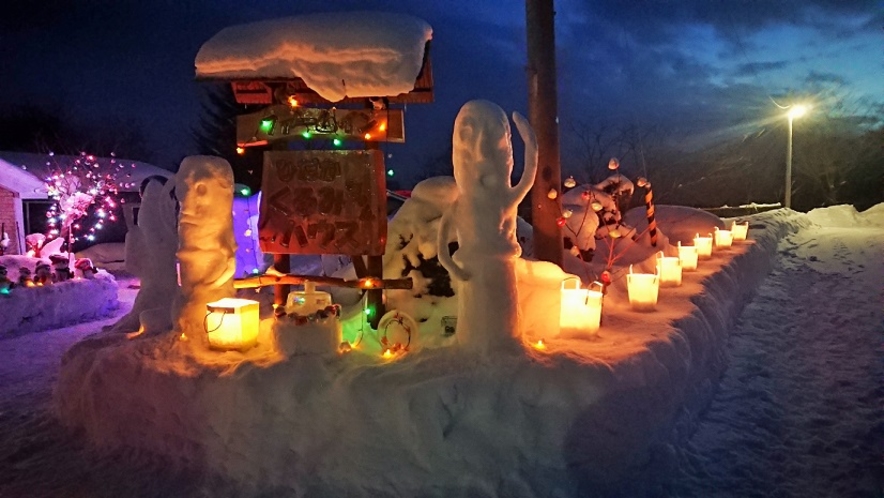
669, 269
232, 323
687, 255
581, 311
643, 289
704, 245
740, 231
723, 239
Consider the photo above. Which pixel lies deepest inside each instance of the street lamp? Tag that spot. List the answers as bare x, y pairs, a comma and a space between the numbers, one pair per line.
796, 111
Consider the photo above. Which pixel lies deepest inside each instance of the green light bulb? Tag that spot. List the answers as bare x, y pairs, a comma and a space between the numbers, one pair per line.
337, 142
390, 172
306, 134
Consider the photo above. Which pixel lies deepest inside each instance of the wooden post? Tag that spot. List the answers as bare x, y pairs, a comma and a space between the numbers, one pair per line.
543, 114
374, 297
281, 262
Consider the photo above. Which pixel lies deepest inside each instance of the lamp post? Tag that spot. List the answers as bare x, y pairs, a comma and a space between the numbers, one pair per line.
796, 111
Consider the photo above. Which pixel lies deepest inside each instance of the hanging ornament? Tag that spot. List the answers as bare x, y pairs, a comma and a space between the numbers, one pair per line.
570, 182
552, 194
614, 163
567, 213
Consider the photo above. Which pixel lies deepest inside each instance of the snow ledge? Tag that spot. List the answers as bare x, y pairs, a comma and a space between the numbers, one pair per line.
439, 422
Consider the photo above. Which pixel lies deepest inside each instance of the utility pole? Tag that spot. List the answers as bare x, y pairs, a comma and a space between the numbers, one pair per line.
543, 114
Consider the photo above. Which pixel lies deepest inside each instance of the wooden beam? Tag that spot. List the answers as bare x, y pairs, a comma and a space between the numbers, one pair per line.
267, 280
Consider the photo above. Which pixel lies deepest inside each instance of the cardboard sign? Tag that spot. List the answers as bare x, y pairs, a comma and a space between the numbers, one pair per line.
323, 202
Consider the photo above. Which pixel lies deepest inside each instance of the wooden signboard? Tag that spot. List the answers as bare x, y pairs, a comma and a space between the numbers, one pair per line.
323, 202
284, 123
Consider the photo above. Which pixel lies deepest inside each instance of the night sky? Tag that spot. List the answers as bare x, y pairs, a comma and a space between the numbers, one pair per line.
701, 69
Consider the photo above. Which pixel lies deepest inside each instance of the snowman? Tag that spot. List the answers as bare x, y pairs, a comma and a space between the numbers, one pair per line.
24, 277
86, 268
42, 274
5, 283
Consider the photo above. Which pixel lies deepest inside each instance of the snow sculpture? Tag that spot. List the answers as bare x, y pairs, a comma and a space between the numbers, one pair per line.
206, 249
484, 265
150, 256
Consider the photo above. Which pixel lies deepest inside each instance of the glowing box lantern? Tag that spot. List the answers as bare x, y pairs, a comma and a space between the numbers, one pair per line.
740, 231
704, 245
232, 323
581, 311
723, 239
669, 269
687, 255
643, 289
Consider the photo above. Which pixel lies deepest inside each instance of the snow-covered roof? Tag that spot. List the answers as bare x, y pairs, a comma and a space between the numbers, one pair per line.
25, 172
18, 180
338, 55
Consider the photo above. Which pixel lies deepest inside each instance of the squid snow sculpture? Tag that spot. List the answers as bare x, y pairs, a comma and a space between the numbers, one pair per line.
485, 210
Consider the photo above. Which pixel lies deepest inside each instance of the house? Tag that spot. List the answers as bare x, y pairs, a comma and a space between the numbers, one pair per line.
23, 194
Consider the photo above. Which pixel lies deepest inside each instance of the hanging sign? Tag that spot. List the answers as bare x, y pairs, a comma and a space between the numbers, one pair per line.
323, 202
284, 122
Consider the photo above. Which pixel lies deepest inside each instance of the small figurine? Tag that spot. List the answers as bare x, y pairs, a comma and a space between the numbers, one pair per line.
24, 277
86, 268
5, 283
42, 274
61, 267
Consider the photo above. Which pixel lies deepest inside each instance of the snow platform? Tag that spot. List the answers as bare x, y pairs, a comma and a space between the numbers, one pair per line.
579, 418
61, 304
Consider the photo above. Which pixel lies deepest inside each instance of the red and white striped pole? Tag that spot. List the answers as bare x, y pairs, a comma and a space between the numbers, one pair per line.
649, 206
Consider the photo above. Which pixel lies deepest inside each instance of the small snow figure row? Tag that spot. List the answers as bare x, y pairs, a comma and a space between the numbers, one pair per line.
43, 274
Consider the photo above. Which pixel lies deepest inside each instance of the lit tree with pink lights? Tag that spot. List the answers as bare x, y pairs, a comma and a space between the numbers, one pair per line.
82, 187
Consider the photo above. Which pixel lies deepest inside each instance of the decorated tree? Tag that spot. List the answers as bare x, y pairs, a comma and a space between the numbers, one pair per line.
82, 187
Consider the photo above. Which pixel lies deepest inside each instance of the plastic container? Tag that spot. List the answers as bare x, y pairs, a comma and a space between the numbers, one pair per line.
307, 301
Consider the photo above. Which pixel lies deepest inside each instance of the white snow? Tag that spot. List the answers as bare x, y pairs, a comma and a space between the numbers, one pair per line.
32, 309
797, 412
338, 55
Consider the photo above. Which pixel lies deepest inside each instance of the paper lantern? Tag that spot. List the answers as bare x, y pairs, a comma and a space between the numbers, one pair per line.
704, 245
232, 323
581, 311
723, 239
687, 255
669, 269
643, 289
740, 231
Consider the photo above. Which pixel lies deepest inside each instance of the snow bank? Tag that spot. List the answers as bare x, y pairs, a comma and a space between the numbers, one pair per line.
33, 309
573, 420
338, 55
847, 216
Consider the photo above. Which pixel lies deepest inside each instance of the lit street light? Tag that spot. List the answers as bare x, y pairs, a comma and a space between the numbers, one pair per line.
796, 111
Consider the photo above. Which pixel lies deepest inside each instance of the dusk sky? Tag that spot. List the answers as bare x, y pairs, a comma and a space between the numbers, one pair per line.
699, 68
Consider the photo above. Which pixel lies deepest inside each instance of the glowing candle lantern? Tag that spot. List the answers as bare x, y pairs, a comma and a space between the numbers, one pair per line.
643, 289
740, 231
704, 246
232, 324
687, 255
669, 269
581, 311
723, 239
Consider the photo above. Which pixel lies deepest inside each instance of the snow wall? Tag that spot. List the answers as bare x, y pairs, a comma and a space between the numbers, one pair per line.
61, 304
580, 419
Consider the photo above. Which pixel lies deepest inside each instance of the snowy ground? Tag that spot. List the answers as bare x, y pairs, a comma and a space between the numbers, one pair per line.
798, 413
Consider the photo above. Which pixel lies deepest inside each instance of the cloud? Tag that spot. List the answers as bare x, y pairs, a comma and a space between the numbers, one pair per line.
753, 68
815, 78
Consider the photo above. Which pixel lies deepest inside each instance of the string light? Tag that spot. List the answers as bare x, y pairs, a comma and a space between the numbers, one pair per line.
77, 187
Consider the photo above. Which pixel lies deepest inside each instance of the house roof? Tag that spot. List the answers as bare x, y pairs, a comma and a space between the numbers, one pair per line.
24, 172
